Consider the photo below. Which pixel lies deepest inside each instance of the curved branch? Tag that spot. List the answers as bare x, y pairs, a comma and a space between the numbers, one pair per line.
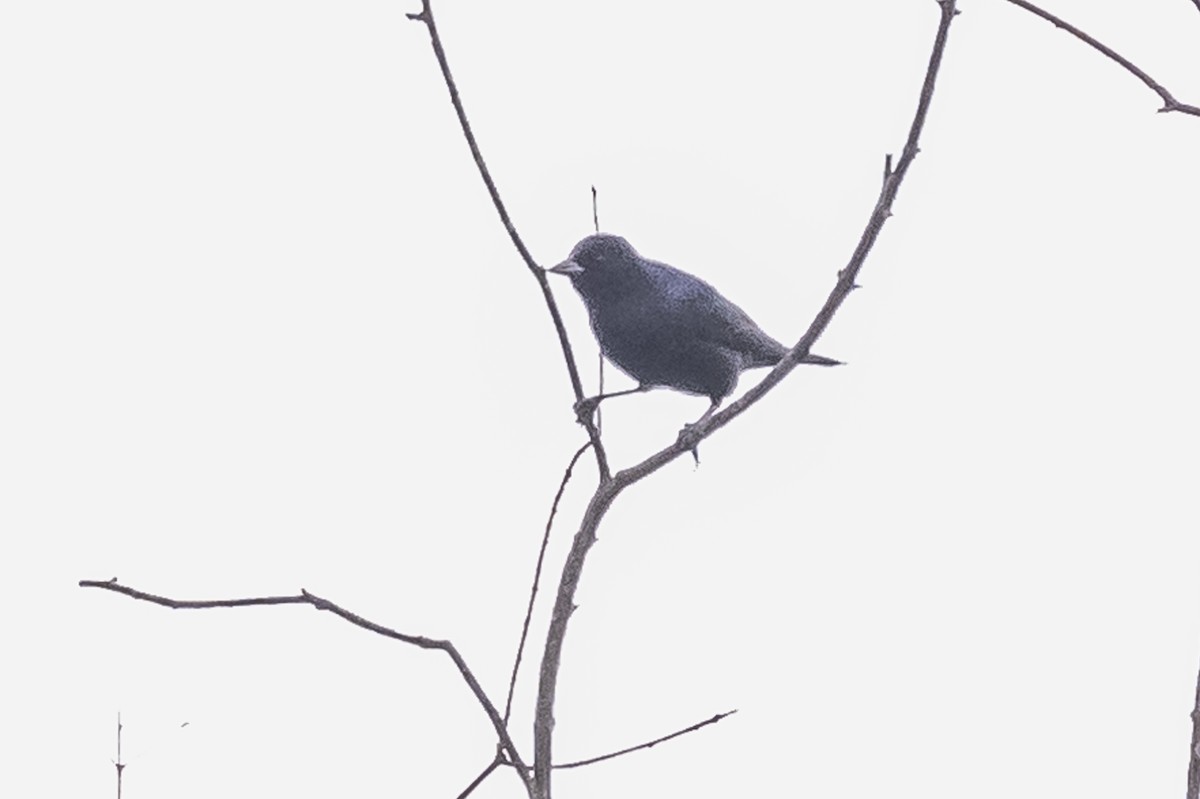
426, 16
608, 490
306, 598
537, 578
1169, 101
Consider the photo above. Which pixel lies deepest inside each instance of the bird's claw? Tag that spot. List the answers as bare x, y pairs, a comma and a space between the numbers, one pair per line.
689, 439
584, 409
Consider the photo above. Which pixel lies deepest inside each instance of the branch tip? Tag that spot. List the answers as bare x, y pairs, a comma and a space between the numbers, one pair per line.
1169, 102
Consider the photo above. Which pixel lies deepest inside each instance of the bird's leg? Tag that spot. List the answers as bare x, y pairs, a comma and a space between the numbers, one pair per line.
587, 406
688, 437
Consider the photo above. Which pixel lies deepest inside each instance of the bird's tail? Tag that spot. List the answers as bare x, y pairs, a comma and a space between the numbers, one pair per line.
821, 360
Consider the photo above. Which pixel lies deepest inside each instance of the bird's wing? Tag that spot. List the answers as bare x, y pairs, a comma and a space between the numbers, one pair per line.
709, 317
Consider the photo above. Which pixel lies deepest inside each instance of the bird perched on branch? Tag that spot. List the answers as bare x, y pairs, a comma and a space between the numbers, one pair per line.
664, 327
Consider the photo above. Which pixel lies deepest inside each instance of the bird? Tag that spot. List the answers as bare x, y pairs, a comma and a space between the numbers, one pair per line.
664, 327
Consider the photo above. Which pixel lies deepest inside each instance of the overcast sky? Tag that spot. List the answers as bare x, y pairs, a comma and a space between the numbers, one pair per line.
260, 329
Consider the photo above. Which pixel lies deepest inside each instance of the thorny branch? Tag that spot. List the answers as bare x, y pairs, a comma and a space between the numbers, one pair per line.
307, 598
426, 16
1169, 101
608, 490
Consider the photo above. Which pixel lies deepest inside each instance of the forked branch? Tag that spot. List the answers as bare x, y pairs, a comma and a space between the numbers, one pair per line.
608, 491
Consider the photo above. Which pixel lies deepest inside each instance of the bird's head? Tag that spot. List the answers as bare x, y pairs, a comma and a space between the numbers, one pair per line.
601, 264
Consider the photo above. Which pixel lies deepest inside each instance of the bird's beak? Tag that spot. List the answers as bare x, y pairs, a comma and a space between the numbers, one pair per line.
567, 267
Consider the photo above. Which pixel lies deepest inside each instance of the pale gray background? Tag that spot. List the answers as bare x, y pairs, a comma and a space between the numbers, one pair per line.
260, 329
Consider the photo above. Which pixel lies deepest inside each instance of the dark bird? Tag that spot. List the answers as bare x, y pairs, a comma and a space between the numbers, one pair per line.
664, 327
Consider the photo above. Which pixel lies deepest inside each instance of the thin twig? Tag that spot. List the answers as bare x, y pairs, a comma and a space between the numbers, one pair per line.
648, 744
306, 598
608, 491
1169, 101
537, 577
120, 765
496, 763
539, 274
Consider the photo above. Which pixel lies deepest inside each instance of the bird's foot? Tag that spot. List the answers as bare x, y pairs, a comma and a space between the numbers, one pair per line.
689, 439
585, 409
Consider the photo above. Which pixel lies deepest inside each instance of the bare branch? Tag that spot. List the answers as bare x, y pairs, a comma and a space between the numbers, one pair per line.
195, 604
537, 577
648, 744
1169, 101
608, 490
306, 598
426, 17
